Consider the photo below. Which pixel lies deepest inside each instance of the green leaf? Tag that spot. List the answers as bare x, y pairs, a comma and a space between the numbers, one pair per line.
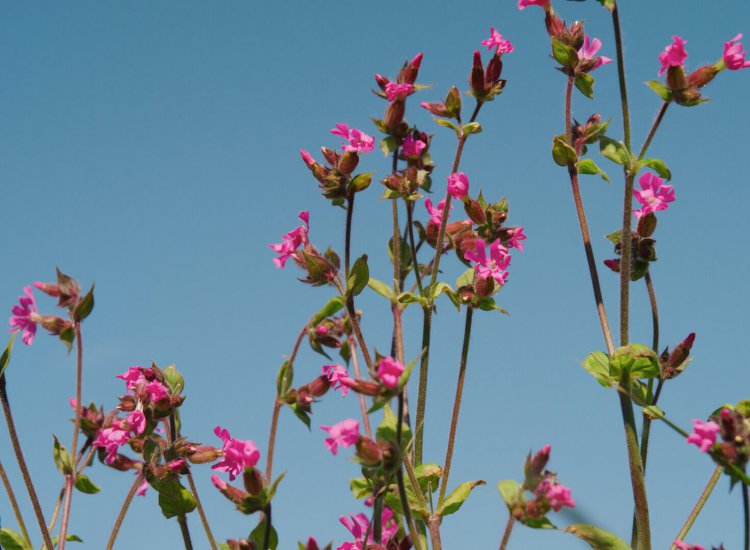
174, 379
743, 407
466, 278
10, 540
653, 412
274, 486
284, 378
69, 538
300, 413
5, 358
85, 306
448, 124
258, 534
458, 496
387, 429
658, 166
381, 288
562, 153
597, 538
615, 237
388, 145
331, 307
62, 458
609, 4
85, 485
564, 54
660, 89
174, 499
358, 276
488, 304
614, 150
428, 476
361, 487
472, 128
597, 364
360, 182
511, 492
539, 523
639, 360
588, 166
409, 298
585, 84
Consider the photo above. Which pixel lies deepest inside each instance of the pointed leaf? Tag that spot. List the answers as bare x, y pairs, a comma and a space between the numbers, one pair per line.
381, 288
5, 358
511, 492
614, 150
562, 153
457, 497
10, 540
85, 306
588, 166
331, 307
585, 84
658, 166
597, 364
564, 54
258, 534
62, 457
447, 124
660, 89
597, 538
472, 128
358, 276
85, 485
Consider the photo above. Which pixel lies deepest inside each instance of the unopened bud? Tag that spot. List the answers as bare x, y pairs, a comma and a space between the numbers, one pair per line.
682, 351
348, 162
391, 456
369, 452
203, 454
555, 25
437, 109
494, 70
254, 481
232, 493
382, 81
614, 265
365, 387
48, 288
475, 211
485, 287
453, 103
476, 77
319, 386
702, 76
52, 323
534, 467
676, 79
394, 114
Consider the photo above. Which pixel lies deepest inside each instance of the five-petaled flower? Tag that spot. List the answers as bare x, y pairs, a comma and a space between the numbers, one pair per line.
25, 316
557, 495
291, 241
458, 185
436, 214
497, 41
653, 195
389, 371
734, 54
412, 148
589, 49
111, 439
334, 374
704, 434
345, 433
132, 377
355, 140
516, 235
395, 91
495, 266
237, 454
673, 55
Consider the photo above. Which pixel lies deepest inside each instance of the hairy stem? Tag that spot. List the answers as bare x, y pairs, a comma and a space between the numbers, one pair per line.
646, 430
14, 503
621, 76
272, 437
56, 509
699, 505
434, 527
202, 513
124, 510
506, 533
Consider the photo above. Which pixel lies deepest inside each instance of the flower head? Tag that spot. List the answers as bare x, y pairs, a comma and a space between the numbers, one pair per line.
704, 435
525, 3
156, 391
395, 91
458, 185
111, 439
358, 141
516, 236
142, 488
436, 214
589, 49
345, 433
653, 195
358, 525
685, 546
334, 374
412, 148
734, 54
292, 241
237, 454
497, 41
673, 55
137, 422
389, 371
25, 316
557, 494
495, 266
132, 377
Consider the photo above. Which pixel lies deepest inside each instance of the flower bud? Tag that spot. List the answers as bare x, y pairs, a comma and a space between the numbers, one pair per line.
50, 289
485, 287
232, 493
534, 467
391, 456
410, 70
476, 77
369, 452
676, 79
394, 115
437, 109
365, 387
202, 454
702, 76
475, 211
494, 70
682, 351
319, 386
453, 103
53, 324
255, 483
614, 265
555, 25
381, 81
348, 162
331, 155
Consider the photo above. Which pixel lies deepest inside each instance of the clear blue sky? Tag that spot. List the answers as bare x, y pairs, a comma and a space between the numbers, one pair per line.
153, 148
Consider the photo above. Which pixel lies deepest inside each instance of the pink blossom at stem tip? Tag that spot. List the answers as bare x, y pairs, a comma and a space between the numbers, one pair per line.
436, 214
389, 371
497, 41
237, 454
734, 54
25, 316
395, 91
344, 433
458, 185
589, 49
653, 195
704, 435
557, 494
132, 377
674, 55
495, 266
335, 374
522, 4
516, 238
291, 241
358, 141
412, 148
685, 546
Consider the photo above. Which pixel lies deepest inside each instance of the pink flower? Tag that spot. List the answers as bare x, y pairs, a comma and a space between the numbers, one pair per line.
137, 422
516, 236
156, 391
436, 214
734, 54
673, 55
219, 483
132, 377
25, 316
557, 494
307, 157
497, 41
345, 433
685, 546
495, 266
358, 524
525, 3
291, 241
111, 439
704, 435
395, 91
458, 185
654, 196
237, 454
142, 488
412, 148
589, 49
389, 371
321, 330
359, 142
176, 465
335, 374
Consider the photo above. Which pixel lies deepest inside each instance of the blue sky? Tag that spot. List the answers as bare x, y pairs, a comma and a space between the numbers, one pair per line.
153, 148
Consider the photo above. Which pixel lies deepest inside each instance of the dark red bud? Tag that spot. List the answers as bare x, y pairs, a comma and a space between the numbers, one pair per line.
369, 452
702, 76
254, 481
476, 78
682, 351
348, 162
494, 69
382, 81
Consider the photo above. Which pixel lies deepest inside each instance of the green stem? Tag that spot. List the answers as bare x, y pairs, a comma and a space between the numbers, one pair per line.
400, 477
182, 521
124, 510
377, 520
621, 76
201, 512
272, 438
56, 510
358, 376
456, 406
267, 527
699, 505
14, 504
412, 246
746, 516
506, 533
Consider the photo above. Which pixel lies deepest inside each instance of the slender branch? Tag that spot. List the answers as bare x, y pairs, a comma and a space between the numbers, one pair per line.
400, 476
646, 429
124, 510
56, 510
268, 526
456, 405
377, 520
182, 521
22, 464
506, 533
434, 526
654, 127
202, 514
272, 437
746, 516
63, 535
358, 375
412, 246
14, 504
621, 76
699, 505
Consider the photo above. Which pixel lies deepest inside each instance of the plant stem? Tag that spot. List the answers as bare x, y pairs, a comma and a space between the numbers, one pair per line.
377, 520
56, 510
746, 516
412, 246
456, 405
22, 463
358, 375
621, 76
400, 477
14, 504
202, 514
267, 527
699, 505
506, 533
182, 521
348, 233
124, 510
434, 526
654, 127
272, 437
646, 429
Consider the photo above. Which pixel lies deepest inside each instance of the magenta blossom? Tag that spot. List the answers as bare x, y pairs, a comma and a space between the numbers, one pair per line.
358, 525
525, 3
345, 433
497, 41
704, 435
412, 148
156, 391
589, 49
458, 185
142, 488
685, 546
291, 241
654, 196
673, 55
137, 422
395, 91
734, 54
389, 371
495, 266
515, 237
111, 439
237, 454
25, 316
132, 377
358, 141
436, 214
557, 494
334, 374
